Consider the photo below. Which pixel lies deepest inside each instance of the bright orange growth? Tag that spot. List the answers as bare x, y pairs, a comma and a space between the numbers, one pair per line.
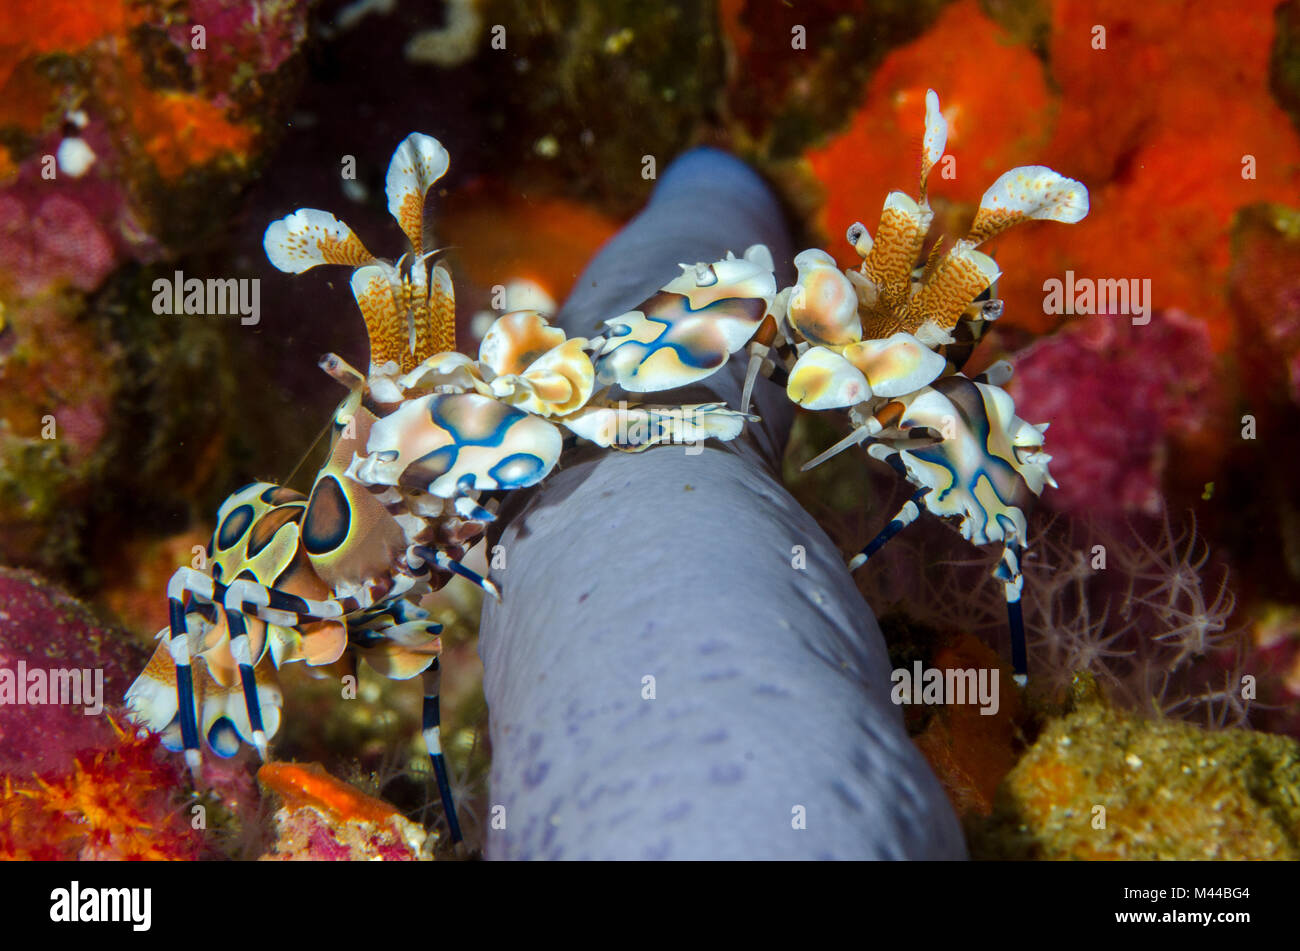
308, 785
1158, 125
176, 130
993, 94
8, 168
971, 752
323, 818
48, 26
115, 805
548, 240
180, 130
36, 27
1161, 133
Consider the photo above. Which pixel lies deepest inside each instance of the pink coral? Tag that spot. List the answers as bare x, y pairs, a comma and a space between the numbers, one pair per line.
68, 231
51, 242
244, 39
1117, 395
42, 627
73, 784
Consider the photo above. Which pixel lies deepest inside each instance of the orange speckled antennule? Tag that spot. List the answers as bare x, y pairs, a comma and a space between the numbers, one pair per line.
929, 302
417, 163
409, 308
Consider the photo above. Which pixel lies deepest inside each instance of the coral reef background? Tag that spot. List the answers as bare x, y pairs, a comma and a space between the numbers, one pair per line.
139, 139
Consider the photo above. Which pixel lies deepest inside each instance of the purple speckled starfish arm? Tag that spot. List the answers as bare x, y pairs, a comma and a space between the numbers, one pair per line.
767, 730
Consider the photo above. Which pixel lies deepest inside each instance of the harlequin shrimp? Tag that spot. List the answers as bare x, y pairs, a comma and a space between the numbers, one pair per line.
337, 575
889, 340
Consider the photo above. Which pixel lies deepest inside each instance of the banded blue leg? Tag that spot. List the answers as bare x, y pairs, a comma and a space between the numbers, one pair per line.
279, 607
182, 581
908, 514
433, 743
1019, 653
447, 563
241, 598
1009, 573
239, 649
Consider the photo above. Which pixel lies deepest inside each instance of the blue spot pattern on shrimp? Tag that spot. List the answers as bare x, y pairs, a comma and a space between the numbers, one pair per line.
473, 421
234, 526
668, 309
328, 517
517, 471
467, 428
266, 527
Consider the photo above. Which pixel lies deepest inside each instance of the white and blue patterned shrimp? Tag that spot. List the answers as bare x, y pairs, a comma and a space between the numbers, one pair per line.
888, 342
337, 575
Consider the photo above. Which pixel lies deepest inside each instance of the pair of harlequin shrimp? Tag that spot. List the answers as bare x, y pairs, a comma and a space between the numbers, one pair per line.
887, 342
337, 575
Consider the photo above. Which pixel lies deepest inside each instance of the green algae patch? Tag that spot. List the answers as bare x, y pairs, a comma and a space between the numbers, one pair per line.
1100, 784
